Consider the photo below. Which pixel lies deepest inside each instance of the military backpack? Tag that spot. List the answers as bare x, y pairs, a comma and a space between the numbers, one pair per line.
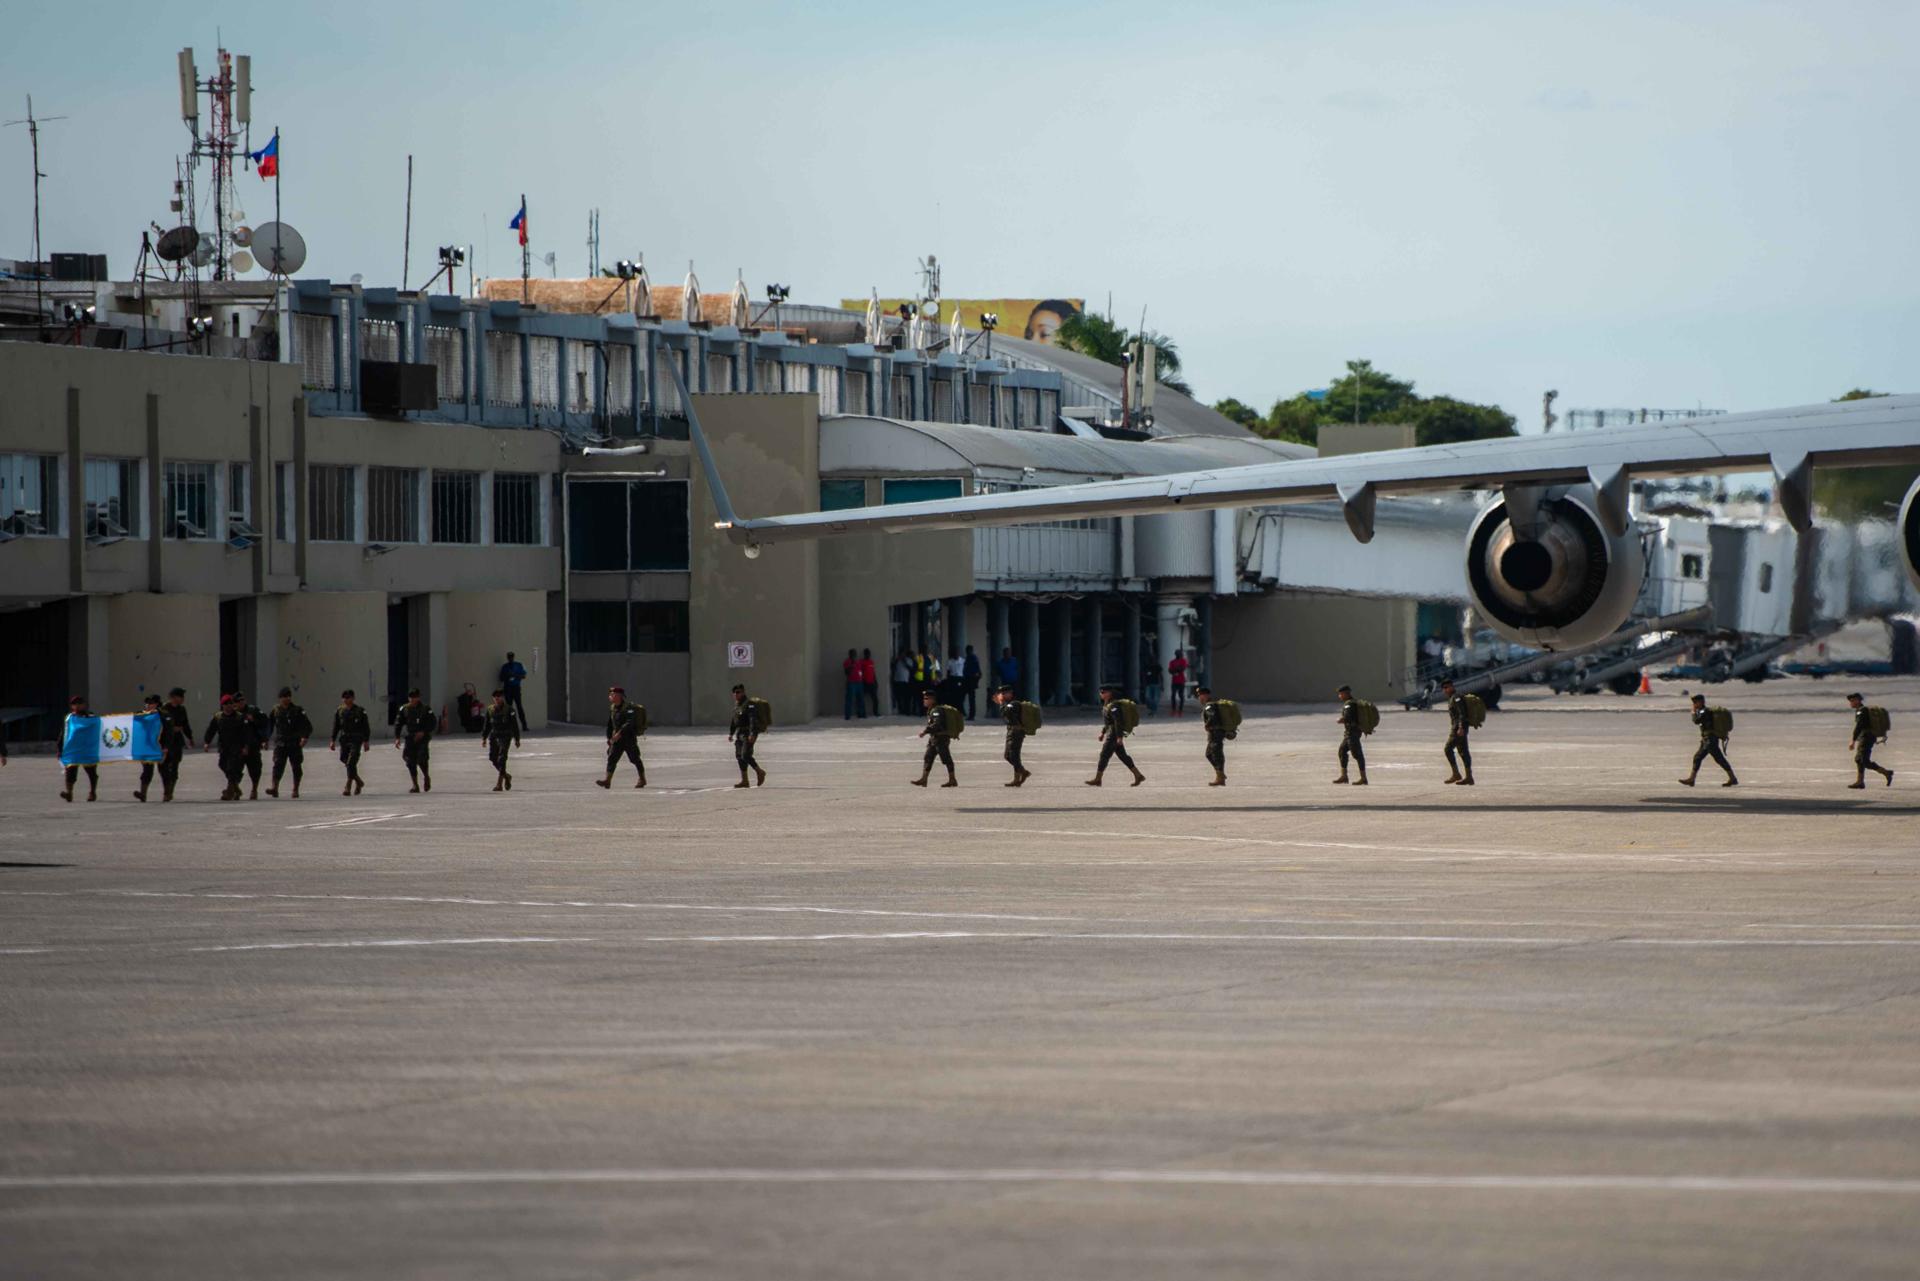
1878, 721
639, 719
1227, 716
1369, 716
1128, 715
952, 723
1720, 720
1029, 717
1474, 709
762, 714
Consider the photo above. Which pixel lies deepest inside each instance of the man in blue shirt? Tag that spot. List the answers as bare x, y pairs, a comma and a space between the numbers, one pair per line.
512, 672
1007, 668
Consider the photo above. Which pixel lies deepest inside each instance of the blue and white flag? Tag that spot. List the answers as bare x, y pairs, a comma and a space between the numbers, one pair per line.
94, 740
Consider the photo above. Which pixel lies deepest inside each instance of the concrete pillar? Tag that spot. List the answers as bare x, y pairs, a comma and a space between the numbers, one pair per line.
1095, 650
999, 628
260, 674
1204, 659
954, 609
1063, 652
1172, 631
1029, 652
1130, 650
89, 649
430, 648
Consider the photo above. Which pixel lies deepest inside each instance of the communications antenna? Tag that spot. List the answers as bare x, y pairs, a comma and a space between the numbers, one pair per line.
229, 95
33, 124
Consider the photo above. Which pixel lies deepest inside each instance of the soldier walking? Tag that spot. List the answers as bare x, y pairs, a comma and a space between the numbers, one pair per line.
176, 734
290, 728
1457, 728
1712, 744
77, 706
744, 730
500, 730
413, 735
1113, 734
1212, 722
1864, 734
1350, 734
1011, 712
251, 756
351, 733
938, 741
232, 731
623, 737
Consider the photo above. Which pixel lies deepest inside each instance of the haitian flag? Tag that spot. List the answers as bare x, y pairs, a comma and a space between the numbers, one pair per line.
519, 222
267, 159
94, 740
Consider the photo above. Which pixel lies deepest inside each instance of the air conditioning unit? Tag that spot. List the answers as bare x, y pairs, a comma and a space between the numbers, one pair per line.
394, 387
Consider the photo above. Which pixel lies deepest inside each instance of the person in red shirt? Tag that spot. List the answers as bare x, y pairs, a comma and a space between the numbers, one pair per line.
856, 696
1177, 679
870, 681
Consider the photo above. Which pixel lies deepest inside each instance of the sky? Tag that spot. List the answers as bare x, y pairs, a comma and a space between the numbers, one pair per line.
1675, 204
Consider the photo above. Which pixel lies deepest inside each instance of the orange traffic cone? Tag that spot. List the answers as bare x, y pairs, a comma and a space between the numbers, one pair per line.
1646, 686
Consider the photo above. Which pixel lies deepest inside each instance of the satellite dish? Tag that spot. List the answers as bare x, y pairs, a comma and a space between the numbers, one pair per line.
238, 215
242, 235
177, 245
280, 248
241, 261
202, 254
930, 309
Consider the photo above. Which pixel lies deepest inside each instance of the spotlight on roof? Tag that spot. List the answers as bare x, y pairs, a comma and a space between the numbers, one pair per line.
452, 255
626, 268
78, 315
778, 293
990, 320
200, 326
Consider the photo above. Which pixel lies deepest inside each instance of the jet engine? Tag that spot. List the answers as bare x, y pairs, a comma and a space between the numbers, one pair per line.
1910, 533
1549, 574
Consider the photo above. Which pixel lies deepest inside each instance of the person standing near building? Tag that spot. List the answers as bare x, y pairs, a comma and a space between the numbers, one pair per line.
1150, 687
1007, 668
1350, 734
870, 682
1014, 713
176, 735
232, 732
744, 730
1113, 733
1214, 723
856, 690
623, 737
291, 729
351, 733
413, 731
902, 681
937, 733
512, 674
500, 731
970, 674
1712, 742
1177, 678
1867, 727
77, 708
1457, 727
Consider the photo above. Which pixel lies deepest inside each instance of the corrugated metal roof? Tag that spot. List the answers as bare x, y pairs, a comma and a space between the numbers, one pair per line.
858, 442
1173, 414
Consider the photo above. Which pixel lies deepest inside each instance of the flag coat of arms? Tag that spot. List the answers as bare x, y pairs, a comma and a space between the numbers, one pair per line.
99, 740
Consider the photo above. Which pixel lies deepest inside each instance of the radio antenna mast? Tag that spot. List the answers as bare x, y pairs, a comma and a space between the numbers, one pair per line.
33, 124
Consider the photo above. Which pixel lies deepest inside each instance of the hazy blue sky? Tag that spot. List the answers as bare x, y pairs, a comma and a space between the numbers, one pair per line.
1636, 203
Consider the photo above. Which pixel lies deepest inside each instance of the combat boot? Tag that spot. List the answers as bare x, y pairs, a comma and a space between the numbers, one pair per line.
606, 782
1219, 779
1688, 780
508, 778
1025, 774
1731, 782
273, 791
1361, 781
426, 781
1342, 778
743, 780
951, 780
359, 786
1452, 778
1467, 779
760, 776
296, 791
254, 795
1138, 777
348, 789
1095, 780
917, 782
140, 793
499, 785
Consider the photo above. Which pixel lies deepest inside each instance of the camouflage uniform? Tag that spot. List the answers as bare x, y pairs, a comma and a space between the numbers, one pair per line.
623, 738
1863, 749
1016, 736
176, 734
352, 731
938, 743
1350, 739
414, 732
290, 728
1712, 746
1457, 728
1216, 736
501, 730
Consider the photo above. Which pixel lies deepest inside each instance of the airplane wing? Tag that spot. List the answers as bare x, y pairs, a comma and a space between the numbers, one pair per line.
1788, 442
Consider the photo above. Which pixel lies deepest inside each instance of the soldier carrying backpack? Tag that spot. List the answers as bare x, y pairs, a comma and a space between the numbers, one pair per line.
1022, 718
1220, 717
1465, 712
752, 717
1118, 718
626, 724
1870, 724
1358, 718
944, 724
1716, 724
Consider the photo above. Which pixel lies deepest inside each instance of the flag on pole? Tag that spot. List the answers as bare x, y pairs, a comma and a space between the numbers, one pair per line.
95, 740
267, 159
519, 222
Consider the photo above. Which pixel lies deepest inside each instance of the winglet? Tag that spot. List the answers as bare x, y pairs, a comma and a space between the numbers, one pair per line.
722, 505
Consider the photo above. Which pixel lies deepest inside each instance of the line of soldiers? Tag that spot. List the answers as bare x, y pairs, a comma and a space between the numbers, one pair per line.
1870, 726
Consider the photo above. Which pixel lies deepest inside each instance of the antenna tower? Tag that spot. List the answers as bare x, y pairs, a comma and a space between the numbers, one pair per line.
39, 272
229, 95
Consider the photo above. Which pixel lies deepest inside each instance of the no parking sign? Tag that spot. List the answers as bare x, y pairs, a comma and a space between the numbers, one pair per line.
739, 653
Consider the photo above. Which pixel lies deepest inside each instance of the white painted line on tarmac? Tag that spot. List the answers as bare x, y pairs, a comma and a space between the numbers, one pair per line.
1145, 937
286, 947
354, 820
1706, 1183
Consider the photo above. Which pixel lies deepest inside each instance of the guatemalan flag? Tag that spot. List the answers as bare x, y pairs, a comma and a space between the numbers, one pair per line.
267, 159
519, 222
93, 740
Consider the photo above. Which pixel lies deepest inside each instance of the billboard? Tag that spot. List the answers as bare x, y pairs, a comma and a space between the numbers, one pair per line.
1034, 318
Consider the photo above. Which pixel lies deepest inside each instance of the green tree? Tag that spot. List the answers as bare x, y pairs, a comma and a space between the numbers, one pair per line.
1862, 493
1244, 414
1374, 396
1442, 420
1366, 395
1092, 334
1294, 419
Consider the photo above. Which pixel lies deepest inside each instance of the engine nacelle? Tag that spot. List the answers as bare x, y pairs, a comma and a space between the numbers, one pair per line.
1564, 583
1910, 533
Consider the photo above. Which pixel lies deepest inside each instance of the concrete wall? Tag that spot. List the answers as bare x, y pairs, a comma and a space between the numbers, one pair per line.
480, 628
153, 644
659, 682
1296, 648
768, 450
330, 641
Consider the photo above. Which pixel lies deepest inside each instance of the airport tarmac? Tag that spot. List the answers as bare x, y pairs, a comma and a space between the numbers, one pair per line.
1576, 1021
